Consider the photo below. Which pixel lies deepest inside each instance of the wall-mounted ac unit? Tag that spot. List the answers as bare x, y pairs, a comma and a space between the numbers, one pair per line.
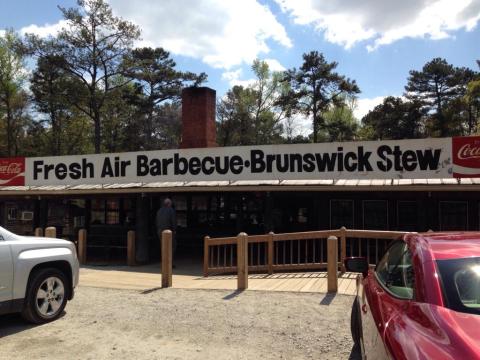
27, 215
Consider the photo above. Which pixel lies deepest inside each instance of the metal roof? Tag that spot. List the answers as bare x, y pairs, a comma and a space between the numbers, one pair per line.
450, 184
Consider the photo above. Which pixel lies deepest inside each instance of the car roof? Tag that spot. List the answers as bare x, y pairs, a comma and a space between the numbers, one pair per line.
453, 245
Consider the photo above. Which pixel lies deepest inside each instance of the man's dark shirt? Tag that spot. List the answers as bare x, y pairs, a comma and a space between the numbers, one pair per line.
165, 219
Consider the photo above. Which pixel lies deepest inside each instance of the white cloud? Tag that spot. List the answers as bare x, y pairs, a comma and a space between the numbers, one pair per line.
363, 106
382, 22
274, 65
44, 30
221, 33
233, 78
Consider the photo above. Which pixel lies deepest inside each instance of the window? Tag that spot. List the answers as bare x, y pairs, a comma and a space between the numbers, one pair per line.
341, 214
98, 212
453, 215
113, 212
375, 214
395, 271
461, 284
407, 218
105, 212
12, 213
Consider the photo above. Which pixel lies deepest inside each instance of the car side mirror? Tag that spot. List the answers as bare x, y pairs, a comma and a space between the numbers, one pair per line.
357, 264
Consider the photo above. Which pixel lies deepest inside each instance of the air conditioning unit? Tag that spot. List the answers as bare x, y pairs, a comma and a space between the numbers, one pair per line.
27, 215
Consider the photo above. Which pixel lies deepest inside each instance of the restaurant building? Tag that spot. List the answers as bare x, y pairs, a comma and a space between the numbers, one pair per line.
412, 185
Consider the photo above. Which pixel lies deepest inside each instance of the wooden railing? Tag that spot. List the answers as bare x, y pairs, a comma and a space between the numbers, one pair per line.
300, 251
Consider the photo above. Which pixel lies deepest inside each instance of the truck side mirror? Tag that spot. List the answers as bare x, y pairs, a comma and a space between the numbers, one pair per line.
357, 264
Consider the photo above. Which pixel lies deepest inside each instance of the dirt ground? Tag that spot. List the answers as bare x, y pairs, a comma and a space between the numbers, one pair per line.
186, 324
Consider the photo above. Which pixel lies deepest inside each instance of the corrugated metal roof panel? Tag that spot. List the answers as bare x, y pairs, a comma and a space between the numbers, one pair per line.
164, 184
381, 182
207, 183
122, 186
85, 187
255, 182
402, 182
299, 182
364, 182
14, 188
352, 182
307, 182
49, 187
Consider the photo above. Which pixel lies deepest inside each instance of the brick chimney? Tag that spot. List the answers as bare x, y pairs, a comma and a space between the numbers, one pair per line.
198, 118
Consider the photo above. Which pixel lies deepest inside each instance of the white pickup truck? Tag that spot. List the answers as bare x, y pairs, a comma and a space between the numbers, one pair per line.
37, 276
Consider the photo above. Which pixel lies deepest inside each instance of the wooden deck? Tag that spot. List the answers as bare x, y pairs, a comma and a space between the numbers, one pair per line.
148, 277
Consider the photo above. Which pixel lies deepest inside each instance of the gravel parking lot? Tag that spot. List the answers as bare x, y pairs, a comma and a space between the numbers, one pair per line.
186, 324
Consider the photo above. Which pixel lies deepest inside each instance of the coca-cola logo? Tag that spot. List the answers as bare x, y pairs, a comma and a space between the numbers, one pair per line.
468, 151
11, 169
466, 156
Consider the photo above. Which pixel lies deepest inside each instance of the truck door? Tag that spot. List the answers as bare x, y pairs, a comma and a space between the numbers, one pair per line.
6, 272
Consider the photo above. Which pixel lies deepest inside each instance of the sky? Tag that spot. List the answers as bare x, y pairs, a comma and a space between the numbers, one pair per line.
375, 42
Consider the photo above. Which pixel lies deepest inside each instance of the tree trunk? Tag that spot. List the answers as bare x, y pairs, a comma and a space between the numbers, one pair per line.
9, 129
97, 140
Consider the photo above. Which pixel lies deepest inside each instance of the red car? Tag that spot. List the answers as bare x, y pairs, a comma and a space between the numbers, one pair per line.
422, 301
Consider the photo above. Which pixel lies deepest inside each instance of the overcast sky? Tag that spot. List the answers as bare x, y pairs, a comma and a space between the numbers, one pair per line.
375, 42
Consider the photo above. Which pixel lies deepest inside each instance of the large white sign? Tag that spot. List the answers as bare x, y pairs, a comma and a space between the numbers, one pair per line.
426, 158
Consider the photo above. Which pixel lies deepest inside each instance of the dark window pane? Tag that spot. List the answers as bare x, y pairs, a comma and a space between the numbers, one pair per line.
341, 214
395, 271
453, 215
407, 216
375, 215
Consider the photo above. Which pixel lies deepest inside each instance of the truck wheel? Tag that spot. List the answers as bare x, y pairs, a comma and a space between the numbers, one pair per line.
355, 323
46, 296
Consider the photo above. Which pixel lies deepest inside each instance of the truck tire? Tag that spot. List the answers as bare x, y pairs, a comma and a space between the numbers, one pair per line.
46, 296
355, 323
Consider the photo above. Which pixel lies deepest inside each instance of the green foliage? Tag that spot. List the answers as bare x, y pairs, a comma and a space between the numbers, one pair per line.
156, 82
340, 124
250, 116
314, 88
90, 48
393, 119
435, 87
13, 99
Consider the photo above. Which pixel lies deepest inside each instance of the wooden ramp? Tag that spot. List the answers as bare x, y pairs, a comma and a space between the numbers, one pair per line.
189, 276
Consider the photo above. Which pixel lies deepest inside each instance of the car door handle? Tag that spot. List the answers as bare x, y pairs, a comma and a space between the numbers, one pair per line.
364, 308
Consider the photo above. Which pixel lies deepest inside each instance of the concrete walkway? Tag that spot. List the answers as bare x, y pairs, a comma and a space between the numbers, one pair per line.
189, 276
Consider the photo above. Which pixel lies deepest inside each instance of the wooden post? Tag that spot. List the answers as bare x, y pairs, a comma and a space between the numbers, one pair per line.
131, 248
82, 246
242, 261
205, 255
270, 245
166, 258
38, 232
343, 247
51, 232
332, 263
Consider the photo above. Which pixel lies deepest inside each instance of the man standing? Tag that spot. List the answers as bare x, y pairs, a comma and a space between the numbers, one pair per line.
165, 220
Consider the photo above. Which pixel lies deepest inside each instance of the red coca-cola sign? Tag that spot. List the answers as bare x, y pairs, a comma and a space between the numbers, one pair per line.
466, 156
12, 171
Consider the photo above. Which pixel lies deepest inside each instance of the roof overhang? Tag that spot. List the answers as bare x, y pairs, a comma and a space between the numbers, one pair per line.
466, 184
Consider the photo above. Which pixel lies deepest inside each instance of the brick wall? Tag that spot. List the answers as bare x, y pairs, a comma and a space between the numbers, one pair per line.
198, 118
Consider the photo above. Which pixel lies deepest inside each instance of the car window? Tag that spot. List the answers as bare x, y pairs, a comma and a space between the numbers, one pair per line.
461, 284
395, 271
